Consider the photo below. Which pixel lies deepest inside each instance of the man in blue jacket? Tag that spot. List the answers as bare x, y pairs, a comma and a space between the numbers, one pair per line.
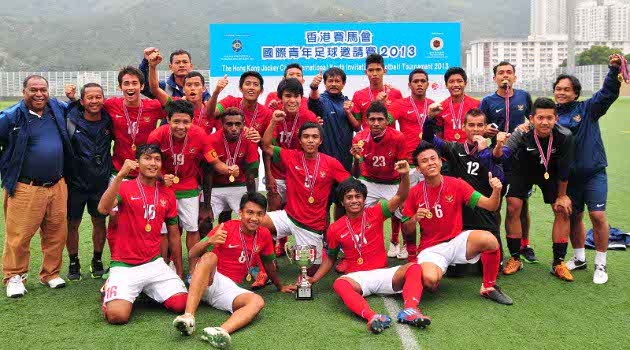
588, 182
35, 155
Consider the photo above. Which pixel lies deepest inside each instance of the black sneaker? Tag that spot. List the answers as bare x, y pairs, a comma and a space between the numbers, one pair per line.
576, 264
74, 271
96, 269
528, 254
496, 294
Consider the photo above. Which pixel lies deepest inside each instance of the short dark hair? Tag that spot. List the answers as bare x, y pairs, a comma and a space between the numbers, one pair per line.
89, 85
335, 72
292, 65
194, 74
575, 82
251, 73
503, 63
453, 71
422, 146
291, 85
179, 52
374, 58
311, 125
33, 76
131, 70
418, 71
180, 106
376, 107
475, 112
148, 148
348, 185
543, 103
232, 111
254, 197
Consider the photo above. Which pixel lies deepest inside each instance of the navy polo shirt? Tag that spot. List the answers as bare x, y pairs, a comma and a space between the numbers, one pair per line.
43, 160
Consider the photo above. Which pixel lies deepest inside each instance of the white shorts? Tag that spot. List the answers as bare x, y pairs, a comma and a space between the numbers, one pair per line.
285, 227
111, 180
154, 278
448, 253
226, 198
377, 192
221, 294
281, 186
375, 281
415, 177
188, 213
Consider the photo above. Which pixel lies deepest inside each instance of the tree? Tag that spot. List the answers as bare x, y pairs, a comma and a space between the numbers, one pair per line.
594, 56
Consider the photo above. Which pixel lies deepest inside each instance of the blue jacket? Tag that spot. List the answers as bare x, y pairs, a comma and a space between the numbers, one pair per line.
169, 86
14, 135
582, 118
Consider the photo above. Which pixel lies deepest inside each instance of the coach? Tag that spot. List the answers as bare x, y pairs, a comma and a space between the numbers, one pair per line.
34, 149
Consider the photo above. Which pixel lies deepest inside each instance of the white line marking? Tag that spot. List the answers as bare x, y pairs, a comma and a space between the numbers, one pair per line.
406, 336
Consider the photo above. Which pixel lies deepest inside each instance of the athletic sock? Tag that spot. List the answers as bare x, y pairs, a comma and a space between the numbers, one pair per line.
514, 246
97, 255
559, 252
412, 289
395, 230
490, 259
580, 253
74, 258
600, 258
412, 250
524, 243
353, 300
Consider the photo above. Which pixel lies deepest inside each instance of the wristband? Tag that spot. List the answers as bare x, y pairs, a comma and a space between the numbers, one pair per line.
314, 87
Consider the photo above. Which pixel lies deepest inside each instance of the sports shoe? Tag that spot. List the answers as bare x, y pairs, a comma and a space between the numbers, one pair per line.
217, 337
185, 324
600, 276
378, 323
413, 317
261, 280
280, 247
97, 270
513, 266
528, 254
74, 271
402, 254
15, 286
575, 264
55, 283
495, 293
393, 250
342, 266
562, 272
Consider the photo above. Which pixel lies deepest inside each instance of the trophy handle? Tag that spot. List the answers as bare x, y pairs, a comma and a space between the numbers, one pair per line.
288, 252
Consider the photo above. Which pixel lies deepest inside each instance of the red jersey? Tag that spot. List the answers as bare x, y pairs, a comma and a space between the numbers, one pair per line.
246, 159
379, 158
187, 165
233, 258
285, 135
130, 243
446, 222
200, 119
452, 118
260, 120
298, 207
364, 97
373, 250
410, 121
273, 96
145, 123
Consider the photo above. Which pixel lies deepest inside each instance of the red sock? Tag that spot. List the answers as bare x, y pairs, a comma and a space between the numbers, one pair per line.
524, 242
412, 289
353, 300
282, 241
490, 260
413, 253
395, 229
176, 303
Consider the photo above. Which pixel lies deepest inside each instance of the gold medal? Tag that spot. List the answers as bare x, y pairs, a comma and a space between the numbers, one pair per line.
133, 147
420, 136
360, 261
231, 178
429, 215
457, 136
311, 199
249, 277
546, 176
361, 143
176, 180
147, 228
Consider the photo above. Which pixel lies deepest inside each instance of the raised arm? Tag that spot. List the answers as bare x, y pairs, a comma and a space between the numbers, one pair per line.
267, 139
154, 82
211, 105
108, 200
402, 167
599, 103
491, 203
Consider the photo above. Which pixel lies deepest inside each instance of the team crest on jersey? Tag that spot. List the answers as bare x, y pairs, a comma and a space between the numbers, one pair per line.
368, 225
193, 149
521, 108
147, 119
577, 118
449, 198
322, 174
242, 154
107, 132
163, 203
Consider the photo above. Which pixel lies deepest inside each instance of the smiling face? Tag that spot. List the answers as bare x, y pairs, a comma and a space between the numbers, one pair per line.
93, 100
194, 89
180, 123
563, 92
251, 216
36, 94
294, 73
291, 102
456, 85
131, 87
251, 88
429, 163
310, 140
149, 165
181, 65
334, 84
544, 120
419, 85
353, 202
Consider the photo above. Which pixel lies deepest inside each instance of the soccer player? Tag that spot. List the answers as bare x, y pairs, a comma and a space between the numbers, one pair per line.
375, 70
292, 70
310, 176
435, 204
226, 258
452, 110
588, 182
508, 108
541, 157
144, 204
185, 145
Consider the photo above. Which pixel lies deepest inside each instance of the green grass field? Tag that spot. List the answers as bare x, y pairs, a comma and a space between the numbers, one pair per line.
547, 313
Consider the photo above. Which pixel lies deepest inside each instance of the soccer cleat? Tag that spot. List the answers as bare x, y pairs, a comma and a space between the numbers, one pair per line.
96, 269
217, 337
513, 266
378, 323
74, 271
402, 254
280, 247
575, 264
495, 293
185, 324
15, 286
342, 266
413, 317
55, 283
393, 250
600, 276
528, 254
562, 272
261, 281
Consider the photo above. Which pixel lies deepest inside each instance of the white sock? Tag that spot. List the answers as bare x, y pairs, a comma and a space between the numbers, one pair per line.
600, 258
580, 253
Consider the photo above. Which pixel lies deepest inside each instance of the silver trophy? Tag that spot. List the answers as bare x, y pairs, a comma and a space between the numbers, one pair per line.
303, 256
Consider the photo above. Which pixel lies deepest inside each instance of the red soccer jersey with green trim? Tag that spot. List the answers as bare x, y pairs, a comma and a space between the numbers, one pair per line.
246, 159
402, 111
451, 115
262, 118
130, 243
285, 139
379, 158
273, 96
232, 261
362, 100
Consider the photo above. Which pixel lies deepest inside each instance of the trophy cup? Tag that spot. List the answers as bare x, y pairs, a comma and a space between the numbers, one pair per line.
304, 257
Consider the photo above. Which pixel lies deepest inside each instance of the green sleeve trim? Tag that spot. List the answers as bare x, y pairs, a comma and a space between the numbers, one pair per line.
276, 154
119, 198
220, 108
333, 251
405, 219
253, 165
115, 263
274, 141
357, 116
171, 221
391, 118
268, 258
211, 247
472, 203
386, 211
186, 194
170, 99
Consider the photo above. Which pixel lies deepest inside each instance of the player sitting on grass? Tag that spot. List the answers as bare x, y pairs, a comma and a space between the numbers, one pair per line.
226, 258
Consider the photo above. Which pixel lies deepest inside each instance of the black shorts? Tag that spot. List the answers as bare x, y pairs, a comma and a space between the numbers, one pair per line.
520, 186
77, 200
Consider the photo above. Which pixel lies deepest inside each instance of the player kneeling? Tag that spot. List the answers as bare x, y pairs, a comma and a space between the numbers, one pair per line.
227, 254
436, 205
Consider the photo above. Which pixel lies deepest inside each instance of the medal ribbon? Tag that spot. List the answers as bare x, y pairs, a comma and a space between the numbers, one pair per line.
242, 106
130, 129
358, 240
248, 258
145, 202
202, 114
507, 108
468, 151
172, 149
544, 158
457, 122
310, 180
426, 196
419, 117
289, 137
232, 160
625, 75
